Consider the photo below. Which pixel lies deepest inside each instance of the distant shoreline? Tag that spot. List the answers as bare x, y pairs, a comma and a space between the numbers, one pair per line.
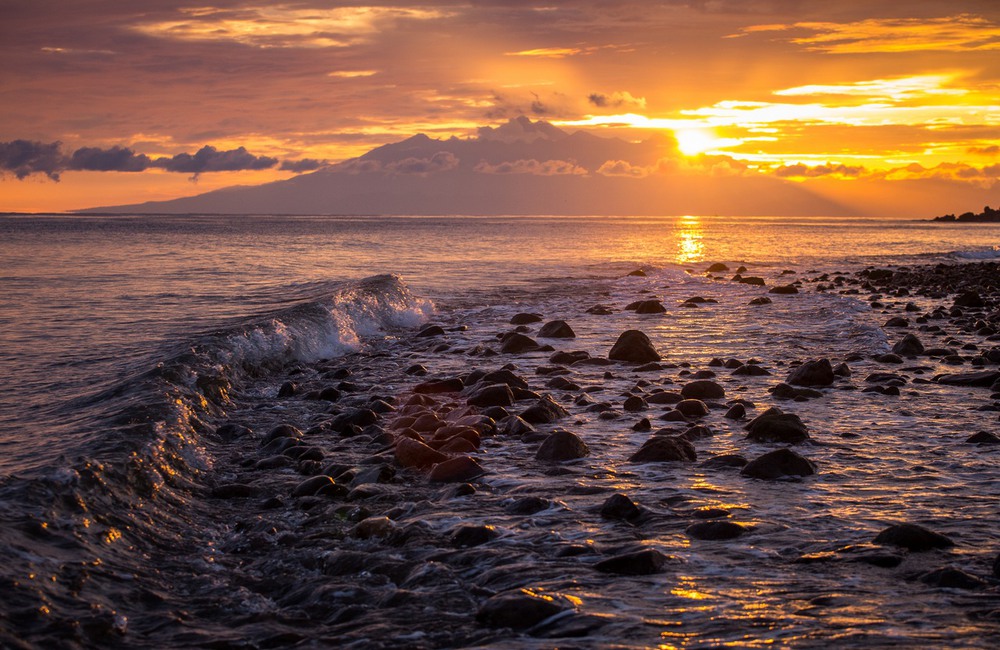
988, 215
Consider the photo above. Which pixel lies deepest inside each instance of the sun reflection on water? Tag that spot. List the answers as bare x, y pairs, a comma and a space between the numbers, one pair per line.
690, 247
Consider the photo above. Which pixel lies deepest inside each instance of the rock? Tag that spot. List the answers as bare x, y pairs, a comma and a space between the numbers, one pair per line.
525, 319
312, 485
909, 346
634, 404
703, 389
514, 425
473, 535
650, 307
969, 299
755, 281
812, 373
750, 370
761, 300
231, 431
556, 329
561, 446
784, 391
633, 346
663, 397
503, 377
692, 408
492, 395
288, 389
460, 469
715, 530
413, 453
600, 310
281, 431
912, 537
234, 491
897, 321
527, 506
724, 461
514, 343
373, 527
773, 425
736, 412
784, 289
889, 358
521, 609
777, 464
718, 267
665, 448
983, 379
430, 330
952, 578
569, 358
638, 563
697, 432
619, 506
638, 273
842, 370
642, 425
984, 438
416, 370
543, 411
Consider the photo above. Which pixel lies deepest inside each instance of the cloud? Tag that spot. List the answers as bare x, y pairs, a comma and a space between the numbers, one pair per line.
115, 159
799, 170
532, 166
623, 168
961, 33
23, 158
617, 99
548, 52
210, 159
304, 165
442, 161
990, 150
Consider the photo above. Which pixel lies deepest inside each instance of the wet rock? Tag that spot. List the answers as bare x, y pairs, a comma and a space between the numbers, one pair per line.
897, 321
889, 358
232, 431
452, 385
556, 329
515, 426
288, 389
413, 453
234, 491
503, 376
715, 530
644, 562
842, 370
619, 506
525, 319
416, 370
724, 461
735, 412
273, 462
561, 446
600, 310
717, 267
430, 330
527, 506
650, 307
543, 411
969, 299
373, 527
521, 610
755, 281
952, 578
983, 438
663, 397
638, 273
761, 300
569, 358
912, 537
634, 346
634, 404
663, 449
491, 395
642, 425
908, 346
514, 343
750, 370
473, 535
697, 432
773, 425
784, 391
983, 379
778, 464
784, 289
703, 389
692, 408
311, 486
812, 373
281, 431
456, 470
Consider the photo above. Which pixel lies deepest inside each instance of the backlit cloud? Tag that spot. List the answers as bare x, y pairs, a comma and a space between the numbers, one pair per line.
442, 161
617, 99
534, 167
23, 158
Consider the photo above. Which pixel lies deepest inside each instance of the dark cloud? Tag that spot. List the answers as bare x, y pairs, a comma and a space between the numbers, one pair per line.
23, 158
616, 100
115, 159
991, 150
304, 165
210, 159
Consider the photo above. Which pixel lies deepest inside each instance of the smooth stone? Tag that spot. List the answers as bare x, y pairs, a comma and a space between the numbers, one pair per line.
912, 537
281, 431
908, 346
452, 385
692, 408
777, 464
491, 395
663, 397
430, 330
634, 404
703, 389
818, 372
619, 506
715, 530
231, 431
665, 449
784, 289
527, 506
521, 610
952, 578
735, 412
983, 379
413, 453
460, 469
724, 461
543, 411
503, 376
514, 343
984, 438
569, 357
775, 426
644, 562
525, 319
373, 527
234, 491
761, 300
633, 346
750, 370
312, 485
473, 535
556, 329
561, 446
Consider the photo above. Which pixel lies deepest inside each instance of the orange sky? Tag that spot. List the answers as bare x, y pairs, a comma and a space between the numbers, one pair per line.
831, 94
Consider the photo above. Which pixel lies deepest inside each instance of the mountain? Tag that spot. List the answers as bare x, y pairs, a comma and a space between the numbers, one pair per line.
521, 167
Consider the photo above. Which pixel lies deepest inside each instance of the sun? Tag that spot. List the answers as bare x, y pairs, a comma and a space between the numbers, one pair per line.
692, 142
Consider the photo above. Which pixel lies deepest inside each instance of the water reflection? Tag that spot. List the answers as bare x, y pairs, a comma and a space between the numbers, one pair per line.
690, 247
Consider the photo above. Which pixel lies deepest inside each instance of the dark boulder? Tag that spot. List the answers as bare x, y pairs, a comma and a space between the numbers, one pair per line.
692, 408
637, 563
750, 370
514, 343
521, 609
633, 346
778, 464
913, 538
492, 395
543, 411
665, 448
715, 530
525, 319
556, 329
650, 307
983, 379
736, 412
773, 425
703, 389
452, 385
818, 372
619, 506
969, 299
561, 446
784, 289
718, 267
908, 346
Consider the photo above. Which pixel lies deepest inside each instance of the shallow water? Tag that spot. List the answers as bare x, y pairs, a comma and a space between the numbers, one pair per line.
132, 339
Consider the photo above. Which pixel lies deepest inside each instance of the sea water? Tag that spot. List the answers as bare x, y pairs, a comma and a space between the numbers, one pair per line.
112, 329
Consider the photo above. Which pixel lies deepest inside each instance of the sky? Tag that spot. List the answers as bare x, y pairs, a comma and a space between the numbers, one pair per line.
106, 102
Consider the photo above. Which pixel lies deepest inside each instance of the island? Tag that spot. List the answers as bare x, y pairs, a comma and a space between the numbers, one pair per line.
988, 215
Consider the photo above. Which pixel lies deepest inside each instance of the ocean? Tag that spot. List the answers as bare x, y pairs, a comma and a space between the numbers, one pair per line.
126, 342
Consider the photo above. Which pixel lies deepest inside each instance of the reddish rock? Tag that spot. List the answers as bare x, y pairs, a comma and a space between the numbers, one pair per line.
412, 453
456, 470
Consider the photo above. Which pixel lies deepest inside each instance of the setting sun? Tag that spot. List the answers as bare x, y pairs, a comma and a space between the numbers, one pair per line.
692, 142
